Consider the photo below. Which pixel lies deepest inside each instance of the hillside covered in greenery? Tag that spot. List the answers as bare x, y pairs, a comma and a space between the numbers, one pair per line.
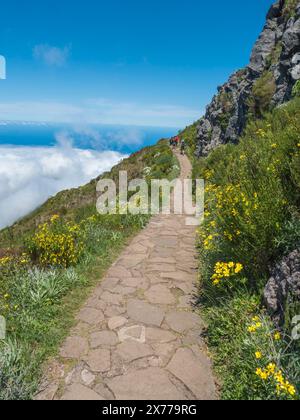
51, 260
252, 222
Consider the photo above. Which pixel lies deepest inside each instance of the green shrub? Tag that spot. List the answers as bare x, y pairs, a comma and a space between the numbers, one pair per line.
56, 244
248, 351
17, 367
251, 188
289, 8
296, 89
262, 93
189, 134
251, 220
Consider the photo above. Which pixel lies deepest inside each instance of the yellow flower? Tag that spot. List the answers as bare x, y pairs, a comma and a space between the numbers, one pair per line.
262, 374
239, 267
258, 355
277, 336
271, 368
292, 390
251, 329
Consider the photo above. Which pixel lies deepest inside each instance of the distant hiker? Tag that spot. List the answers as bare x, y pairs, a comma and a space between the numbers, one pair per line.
182, 147
173, 143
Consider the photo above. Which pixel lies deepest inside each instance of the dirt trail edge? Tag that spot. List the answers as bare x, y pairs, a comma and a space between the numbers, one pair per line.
138, 337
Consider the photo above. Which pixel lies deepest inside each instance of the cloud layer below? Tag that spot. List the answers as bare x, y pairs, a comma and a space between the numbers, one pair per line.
100, 111
29, 176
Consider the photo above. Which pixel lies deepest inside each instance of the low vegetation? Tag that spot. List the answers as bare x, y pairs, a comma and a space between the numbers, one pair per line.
260, 99
252, 221
50, 261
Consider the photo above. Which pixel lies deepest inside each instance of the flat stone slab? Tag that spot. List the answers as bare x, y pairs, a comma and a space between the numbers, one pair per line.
194, 372
132, 261
110, 283
74, 348
135, 282
166, 242
48, 394
160, 294
145, 313
152, 384
119, 272
180, 276
116, 322
87, 377
99, 360
123, 290
131, 350
112, 298
91, 316
135, 333
183, 321
78, 392
103, 338
158, 335
163, 268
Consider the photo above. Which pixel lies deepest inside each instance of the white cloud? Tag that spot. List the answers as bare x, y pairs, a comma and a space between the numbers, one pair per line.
101, 111
52, 56
29, 176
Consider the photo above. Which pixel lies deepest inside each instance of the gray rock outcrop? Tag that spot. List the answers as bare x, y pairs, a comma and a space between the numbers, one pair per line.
283, 287
277, 51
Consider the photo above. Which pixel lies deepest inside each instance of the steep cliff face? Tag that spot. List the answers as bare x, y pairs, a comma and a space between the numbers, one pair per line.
266, 82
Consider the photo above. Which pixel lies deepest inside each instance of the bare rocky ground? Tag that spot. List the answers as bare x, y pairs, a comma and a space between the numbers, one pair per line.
138, 336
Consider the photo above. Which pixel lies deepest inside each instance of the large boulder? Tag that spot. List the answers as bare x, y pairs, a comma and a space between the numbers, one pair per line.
283, 287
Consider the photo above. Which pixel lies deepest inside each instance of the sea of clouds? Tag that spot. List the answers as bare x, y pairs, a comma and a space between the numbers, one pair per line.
30, 175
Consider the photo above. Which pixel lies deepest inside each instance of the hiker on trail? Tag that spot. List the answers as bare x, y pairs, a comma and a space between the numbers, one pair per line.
182, 147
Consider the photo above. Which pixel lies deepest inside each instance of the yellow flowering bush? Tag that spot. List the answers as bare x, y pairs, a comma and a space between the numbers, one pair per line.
57, 244
225, 271
252, 218
271, 356
274, 374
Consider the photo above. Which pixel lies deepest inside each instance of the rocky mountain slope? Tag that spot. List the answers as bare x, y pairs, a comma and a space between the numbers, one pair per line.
267, 81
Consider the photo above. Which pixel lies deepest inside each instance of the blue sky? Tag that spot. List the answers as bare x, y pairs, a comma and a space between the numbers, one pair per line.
138, 62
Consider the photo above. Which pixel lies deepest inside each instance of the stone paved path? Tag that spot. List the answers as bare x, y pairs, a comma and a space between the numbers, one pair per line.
137, 337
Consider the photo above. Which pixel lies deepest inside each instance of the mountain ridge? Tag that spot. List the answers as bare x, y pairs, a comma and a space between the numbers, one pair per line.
265, 83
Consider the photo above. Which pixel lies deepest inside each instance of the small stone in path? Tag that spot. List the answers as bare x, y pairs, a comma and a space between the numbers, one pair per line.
116, 322
88, 378
136, 333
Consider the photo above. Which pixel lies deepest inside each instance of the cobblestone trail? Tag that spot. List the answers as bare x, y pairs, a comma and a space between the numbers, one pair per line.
138, 337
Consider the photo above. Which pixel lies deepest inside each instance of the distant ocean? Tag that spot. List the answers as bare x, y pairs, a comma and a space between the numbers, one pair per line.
39, 160
122, 139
